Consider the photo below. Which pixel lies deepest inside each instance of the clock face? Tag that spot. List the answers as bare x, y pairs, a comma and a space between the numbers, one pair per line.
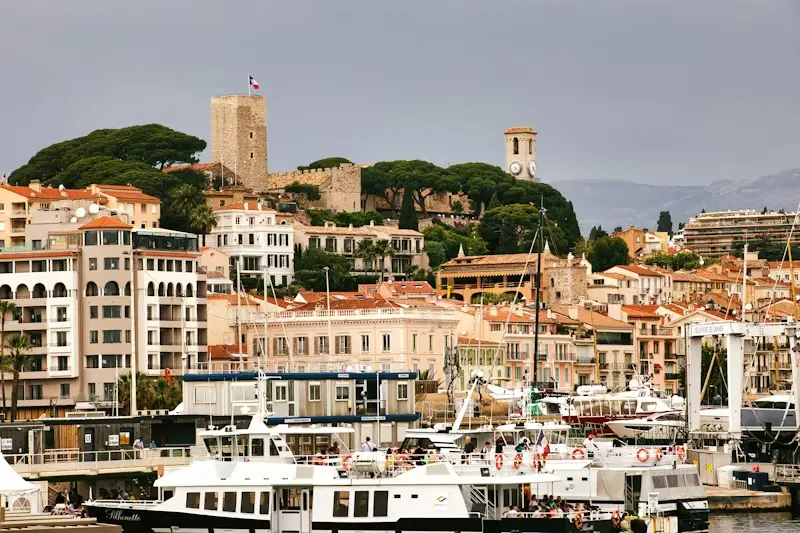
515, 167
532, 168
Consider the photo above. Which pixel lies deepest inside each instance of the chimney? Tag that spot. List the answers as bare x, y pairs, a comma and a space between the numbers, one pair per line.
493, 310
549, 314
329, 224
372, 223
35, 185
246, 206
573, 312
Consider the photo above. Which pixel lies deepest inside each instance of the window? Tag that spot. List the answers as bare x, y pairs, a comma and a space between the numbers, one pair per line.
495, 327
111, 263
61, 338
205, 395
402, 391
263, 502
281, 390
343, 344
387, 342
516, 146
341, 503
342, 392
211, 502
64, 390
248, 504
111, 311
111, 289
229, 502
90, 238
112, 336
321, 345
314, 392
301, 345
193, 500
362, 504
92, 263
414, 342
281, 346
91, 361
364, 343
35, 392
380, 505
251, 155
110, 237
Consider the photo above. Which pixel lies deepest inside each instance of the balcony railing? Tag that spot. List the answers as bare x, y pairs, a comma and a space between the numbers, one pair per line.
656, 332
672, 376
581, 360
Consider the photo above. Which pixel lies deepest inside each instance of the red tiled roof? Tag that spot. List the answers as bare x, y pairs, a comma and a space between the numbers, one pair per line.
521, 129
280, 302
675, 308
239, 206
338, 305
125, 195
718, 314
51, 193
641, 311
225, 352
106, 223
615, 275
311, 296
232, 299
474, 342
636, 269
593, 318
403, 287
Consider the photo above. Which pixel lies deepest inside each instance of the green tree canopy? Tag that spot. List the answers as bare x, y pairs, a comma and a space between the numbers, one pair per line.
328, 162
344, 218
683, 260
597, 232
387, 178
311, 191
408, 215
479, 181
767, 249
451, 240
607, 252
510, 229
151, 393
664, 222
309, 271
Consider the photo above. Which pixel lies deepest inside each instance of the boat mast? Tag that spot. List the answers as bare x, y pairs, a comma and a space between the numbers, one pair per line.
538, 284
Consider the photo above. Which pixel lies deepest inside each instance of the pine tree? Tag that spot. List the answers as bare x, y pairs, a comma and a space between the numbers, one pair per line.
408, 214
494, 202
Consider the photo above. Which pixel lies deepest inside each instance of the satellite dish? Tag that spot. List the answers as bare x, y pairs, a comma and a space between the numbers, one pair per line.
94, 209
80, 212
73, 220
61, 187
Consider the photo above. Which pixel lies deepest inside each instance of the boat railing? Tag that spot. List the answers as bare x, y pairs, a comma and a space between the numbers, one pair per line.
571, 515
126, 503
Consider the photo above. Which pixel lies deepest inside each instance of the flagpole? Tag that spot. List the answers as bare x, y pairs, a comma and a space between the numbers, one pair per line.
249, 85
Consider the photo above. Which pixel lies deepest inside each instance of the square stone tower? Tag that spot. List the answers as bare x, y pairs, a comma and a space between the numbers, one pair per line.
521, 153
239, 137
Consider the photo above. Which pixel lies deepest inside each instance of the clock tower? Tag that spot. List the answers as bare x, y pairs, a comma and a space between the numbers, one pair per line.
521, 153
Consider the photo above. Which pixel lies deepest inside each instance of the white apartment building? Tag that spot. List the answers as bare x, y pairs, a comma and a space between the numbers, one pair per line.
654, 287
408, 246
713, 234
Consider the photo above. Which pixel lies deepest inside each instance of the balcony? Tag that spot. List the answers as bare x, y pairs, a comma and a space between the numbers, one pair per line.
17, 230
672, 376
656, 332
581, 360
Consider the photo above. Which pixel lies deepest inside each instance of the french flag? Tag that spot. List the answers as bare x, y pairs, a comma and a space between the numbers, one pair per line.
254, 83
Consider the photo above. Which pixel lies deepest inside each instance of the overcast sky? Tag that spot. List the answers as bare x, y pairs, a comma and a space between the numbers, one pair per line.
650, 91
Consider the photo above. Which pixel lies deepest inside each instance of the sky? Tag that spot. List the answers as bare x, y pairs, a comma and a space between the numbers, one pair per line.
661, 92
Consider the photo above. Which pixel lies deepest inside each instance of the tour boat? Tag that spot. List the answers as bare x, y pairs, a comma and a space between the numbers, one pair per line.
667, 428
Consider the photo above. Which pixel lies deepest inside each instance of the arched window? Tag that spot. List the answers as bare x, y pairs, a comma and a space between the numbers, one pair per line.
179, 290
5, 292
60, 291
552, 282
151, 289
111, 289
516, 146
530, 146
91, 289
23, 292
128, 289
189, 290
162, 289
39, 291
170, 290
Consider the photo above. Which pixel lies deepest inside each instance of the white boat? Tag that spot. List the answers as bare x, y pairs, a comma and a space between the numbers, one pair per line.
774, 413
667, 427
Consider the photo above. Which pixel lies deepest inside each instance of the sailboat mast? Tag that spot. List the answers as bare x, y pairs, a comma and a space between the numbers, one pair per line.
538, 291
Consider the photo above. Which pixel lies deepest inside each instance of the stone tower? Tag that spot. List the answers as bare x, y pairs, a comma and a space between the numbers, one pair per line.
239, 137
521, 153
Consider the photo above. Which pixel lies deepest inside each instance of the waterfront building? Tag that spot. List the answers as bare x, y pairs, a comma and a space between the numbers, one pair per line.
655, 287
255, 242
408, 246
714, 234
657, 345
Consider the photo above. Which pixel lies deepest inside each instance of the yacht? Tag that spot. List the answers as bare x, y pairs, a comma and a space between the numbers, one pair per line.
772, 414
666, 428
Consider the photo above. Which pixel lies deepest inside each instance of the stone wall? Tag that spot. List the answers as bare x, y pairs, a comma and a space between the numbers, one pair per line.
340, 187
565, 285
239, 137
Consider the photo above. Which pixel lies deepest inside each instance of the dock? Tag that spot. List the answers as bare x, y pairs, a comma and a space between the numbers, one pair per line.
726, 499
46, 523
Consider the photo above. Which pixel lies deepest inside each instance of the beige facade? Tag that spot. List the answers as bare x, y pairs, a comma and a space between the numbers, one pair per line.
521, 153
339, 187
655, 285
713, 234
239, 137
142, 210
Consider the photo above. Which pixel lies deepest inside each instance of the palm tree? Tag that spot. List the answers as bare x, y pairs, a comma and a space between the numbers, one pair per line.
383, 248
185, 198
365, 249
202, 218
18, 345
6, 308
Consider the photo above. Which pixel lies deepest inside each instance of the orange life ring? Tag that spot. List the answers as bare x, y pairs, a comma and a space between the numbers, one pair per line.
578, 454
643, 455
517, 461
659, 454
681, 453
346, 462
498, 461
578, 520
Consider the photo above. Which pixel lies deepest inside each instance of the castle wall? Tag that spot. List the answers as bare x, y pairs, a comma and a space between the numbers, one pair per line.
565, 285
239, 137
340, 187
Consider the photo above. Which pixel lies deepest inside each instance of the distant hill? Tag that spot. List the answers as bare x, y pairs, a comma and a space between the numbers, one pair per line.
612, 203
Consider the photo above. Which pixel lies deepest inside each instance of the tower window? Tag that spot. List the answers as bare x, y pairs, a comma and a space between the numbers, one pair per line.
530, 145
516, 146
251, 155
251, 134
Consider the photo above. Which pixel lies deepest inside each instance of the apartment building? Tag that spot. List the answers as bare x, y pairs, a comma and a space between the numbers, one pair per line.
655, 287
479, 355
657, 343
713, 234
613, 288
115, 294
408, 246
254, 241
142, 210
642, 243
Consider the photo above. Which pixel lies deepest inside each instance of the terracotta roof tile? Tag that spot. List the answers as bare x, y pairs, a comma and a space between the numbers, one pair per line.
641, 311
232, 299
471, 342
520, 129
240, 206
106, 223
225, 352
51, 193
636, 269
130, 195
615, 275
406, 287
593, 318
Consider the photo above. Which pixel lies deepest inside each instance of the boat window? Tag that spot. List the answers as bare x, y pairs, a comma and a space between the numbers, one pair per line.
227, 447
380, 507
212, 446
257, 448
273, 449
263, 503
168, 494
229, 502
341, 503
290, 499
248, 504
241, 445
362, 504
659, 482
193, 500
630, 407
693, 480
672, 481
648, 407
211, 502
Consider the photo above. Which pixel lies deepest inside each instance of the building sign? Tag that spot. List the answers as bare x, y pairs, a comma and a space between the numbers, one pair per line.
714, 328
372, 418
113, 440
298, 420
6, 445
